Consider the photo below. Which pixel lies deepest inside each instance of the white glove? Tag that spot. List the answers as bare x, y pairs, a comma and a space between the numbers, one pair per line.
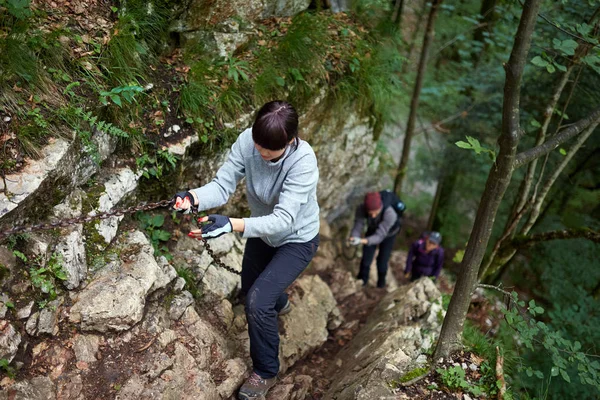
354, 241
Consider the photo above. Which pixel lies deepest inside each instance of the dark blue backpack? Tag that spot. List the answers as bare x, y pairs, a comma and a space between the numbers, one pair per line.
391, 199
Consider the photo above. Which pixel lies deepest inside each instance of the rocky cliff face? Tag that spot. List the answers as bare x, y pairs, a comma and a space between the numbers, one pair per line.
123, 321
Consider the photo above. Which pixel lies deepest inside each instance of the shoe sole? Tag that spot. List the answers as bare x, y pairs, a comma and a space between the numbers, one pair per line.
286, 310
245, 397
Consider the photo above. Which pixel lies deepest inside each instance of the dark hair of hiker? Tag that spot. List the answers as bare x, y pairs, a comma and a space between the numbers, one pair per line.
276, 124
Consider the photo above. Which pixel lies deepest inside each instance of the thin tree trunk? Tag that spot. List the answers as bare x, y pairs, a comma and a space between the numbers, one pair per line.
413, 38
486, 25
414, 104
496, 185
436, 203
397, 14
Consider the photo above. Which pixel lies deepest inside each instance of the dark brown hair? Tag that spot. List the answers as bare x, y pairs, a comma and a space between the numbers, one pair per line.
276, 124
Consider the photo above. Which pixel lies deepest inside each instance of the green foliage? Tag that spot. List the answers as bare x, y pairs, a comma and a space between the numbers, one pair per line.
190, 281
473, 144
158, 237
44, 277
100, 125
410, 375
17, 8
126, 93
236, 69
454, 378
155, 166
538, 336
8, 369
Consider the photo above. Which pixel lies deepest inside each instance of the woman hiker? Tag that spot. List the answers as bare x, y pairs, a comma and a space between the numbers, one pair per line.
283, 230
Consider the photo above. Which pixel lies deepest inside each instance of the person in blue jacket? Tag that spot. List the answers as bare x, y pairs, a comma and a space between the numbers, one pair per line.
283, 230
425, 257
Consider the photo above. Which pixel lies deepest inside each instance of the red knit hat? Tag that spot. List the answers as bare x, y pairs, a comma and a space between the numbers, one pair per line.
373, 201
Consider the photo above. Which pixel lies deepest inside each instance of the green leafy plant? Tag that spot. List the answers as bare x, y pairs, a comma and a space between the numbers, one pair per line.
17, 8
8, 369
102, 126
190, 281
126, 93
155, 166
44, 277
473, 144
236, 69
152, 224
455, 378
538, 336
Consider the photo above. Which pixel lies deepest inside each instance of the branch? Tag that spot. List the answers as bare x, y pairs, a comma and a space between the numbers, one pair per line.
575, 233
556, 140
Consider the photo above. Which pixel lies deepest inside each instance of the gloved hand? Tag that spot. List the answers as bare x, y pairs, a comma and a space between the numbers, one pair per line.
220, 225
183, 201
354, 241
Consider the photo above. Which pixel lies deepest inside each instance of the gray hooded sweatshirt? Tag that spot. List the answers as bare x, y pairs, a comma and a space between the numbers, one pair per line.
282, 195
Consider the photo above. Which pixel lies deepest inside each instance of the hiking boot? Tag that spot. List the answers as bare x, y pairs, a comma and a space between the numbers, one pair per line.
286, 309
255, 387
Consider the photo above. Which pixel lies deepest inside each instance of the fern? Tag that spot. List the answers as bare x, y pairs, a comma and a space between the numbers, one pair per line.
102, 126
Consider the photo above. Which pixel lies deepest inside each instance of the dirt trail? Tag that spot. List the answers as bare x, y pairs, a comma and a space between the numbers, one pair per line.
356, 309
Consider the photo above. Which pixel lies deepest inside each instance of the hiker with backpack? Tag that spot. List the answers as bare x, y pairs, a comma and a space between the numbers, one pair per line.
283, 230
381, 212
425, 257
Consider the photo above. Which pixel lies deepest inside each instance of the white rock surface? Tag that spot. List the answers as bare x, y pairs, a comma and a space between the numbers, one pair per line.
115, 298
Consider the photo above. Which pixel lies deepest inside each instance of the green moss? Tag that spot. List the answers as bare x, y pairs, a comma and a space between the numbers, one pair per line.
410, 375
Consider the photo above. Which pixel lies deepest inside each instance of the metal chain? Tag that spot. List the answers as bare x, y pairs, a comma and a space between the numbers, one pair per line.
115, 213
217, 259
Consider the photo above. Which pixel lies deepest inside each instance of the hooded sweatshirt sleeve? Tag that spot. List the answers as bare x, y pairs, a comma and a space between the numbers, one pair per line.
217, 192
439, 262
410, 257
299, 185
389, 219
359, 222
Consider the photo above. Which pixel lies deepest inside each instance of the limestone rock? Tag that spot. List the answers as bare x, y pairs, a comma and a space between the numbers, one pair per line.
215, 283
344, 284
38, 388
4, 299
185, 381
236, 371
387, 346
86, 347
115, 298
72, 250
27, 181
9, 340
305, 328
25, 312
179, 304
120, 182
45, 321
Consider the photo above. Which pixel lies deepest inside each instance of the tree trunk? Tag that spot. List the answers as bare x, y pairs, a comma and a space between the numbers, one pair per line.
413, 38
487, 24
496, 185
414, 103
397, 15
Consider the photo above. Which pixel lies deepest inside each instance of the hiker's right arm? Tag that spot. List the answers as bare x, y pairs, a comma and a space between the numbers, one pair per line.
359, 222
217, 192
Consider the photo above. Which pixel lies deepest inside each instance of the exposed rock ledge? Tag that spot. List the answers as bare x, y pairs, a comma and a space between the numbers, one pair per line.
401, 329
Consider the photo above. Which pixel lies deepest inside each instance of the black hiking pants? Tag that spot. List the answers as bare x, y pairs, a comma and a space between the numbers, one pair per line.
385, 251
266, 272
